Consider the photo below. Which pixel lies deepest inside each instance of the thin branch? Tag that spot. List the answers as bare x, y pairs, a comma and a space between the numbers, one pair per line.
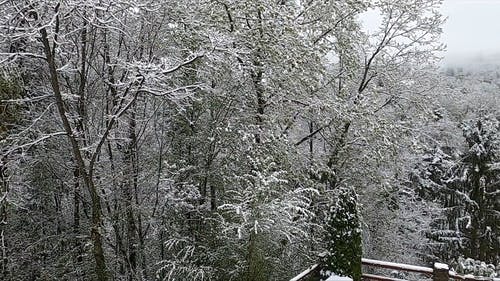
158, 93
313, 133
30, 144
114, 117
187, 62
326, 32
12, 56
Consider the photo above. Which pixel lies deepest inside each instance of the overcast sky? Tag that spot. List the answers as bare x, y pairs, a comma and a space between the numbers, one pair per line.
472, 29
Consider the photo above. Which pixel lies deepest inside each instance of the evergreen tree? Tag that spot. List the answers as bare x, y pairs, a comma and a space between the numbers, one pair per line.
467, 186
343, 238
479, 181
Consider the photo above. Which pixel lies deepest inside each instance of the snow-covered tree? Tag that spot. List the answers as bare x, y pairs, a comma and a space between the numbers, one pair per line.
467, 187
199, 140
343, 235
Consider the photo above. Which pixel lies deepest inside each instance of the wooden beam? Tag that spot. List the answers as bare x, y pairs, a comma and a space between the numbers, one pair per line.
306, 273
379, 278
397, 266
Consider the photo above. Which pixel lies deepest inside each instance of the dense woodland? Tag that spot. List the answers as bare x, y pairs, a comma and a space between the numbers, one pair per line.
240, 140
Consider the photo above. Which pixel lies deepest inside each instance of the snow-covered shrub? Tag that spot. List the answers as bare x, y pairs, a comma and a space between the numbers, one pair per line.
477, 268
343, 238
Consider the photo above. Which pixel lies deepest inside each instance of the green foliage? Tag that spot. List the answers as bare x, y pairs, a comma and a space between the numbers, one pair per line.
343, 237
10, 89
223, 187
480, 175
466, 185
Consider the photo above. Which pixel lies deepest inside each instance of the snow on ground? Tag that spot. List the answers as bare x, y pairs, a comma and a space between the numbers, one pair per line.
332, 277
338, 278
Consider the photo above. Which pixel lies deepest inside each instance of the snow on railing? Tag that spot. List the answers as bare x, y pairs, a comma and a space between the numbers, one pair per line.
397, 266
306, 273
439, 272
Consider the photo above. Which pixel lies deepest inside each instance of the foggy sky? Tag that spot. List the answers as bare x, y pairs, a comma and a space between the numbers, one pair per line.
472, 28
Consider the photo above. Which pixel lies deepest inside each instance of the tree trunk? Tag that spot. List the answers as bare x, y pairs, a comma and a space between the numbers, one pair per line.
79, 251
213, 197
257, 81
95, 234
76, 222
4, 189
130, 189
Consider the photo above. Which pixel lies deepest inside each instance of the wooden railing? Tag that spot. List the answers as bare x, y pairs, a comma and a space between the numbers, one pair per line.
307, 274
394, 266
439, 272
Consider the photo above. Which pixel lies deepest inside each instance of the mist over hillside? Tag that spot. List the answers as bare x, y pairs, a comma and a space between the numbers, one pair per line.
478, 61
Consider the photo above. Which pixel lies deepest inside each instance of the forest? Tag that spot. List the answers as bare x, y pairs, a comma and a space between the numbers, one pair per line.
240, 140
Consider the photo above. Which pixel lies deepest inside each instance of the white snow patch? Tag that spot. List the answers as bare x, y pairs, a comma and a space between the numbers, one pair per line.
338, 278
399, 266
443, 266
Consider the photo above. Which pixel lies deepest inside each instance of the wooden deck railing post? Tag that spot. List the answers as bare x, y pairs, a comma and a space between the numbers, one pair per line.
441, 272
